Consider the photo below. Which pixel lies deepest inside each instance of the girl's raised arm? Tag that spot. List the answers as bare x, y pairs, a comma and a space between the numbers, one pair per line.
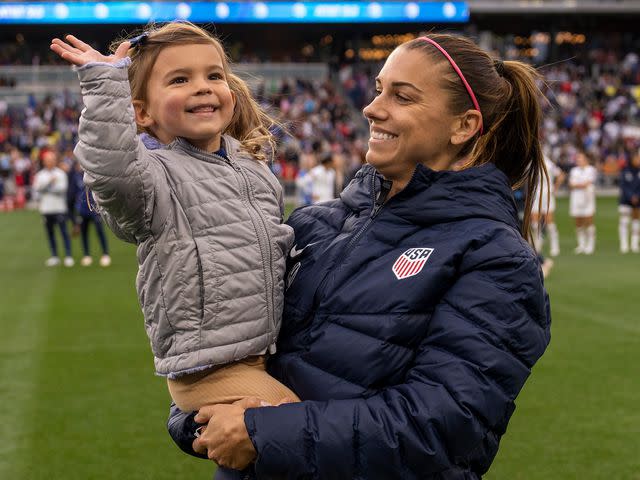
76, 52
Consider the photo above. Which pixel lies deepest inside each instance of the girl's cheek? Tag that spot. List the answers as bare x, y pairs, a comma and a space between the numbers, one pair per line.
173, 105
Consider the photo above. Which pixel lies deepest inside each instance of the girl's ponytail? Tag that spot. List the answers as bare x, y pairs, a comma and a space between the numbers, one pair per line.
250, 124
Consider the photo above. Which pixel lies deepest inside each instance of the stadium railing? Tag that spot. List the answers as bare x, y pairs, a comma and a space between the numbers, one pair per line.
40, 81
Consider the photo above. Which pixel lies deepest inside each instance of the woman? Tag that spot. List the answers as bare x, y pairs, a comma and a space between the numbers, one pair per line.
629, 205
415, 309
582, 202
544, 208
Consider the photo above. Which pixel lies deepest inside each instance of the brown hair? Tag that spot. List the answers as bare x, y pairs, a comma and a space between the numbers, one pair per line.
509, 101
250, 123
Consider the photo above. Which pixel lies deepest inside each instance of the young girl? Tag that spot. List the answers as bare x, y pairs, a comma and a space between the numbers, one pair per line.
582, 202
204, 209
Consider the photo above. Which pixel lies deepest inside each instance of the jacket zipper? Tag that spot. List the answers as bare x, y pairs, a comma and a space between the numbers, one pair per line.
263, 234
378, 204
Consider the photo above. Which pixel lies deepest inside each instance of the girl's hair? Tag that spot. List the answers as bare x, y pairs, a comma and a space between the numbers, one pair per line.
250, 123
509, 100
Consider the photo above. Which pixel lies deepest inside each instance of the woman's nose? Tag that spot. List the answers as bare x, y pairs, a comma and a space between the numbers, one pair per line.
374, 110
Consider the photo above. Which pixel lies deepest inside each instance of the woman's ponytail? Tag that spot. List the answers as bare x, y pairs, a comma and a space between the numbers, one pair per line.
512, 141
509, 100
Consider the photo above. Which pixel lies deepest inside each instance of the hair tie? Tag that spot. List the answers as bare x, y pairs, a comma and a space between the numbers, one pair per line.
499, 65
139, 41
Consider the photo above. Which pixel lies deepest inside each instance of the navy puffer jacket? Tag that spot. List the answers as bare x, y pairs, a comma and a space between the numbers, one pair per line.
409, 329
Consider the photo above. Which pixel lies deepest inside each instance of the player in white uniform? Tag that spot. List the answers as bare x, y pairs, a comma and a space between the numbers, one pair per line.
582, 202
544, 207
323, 180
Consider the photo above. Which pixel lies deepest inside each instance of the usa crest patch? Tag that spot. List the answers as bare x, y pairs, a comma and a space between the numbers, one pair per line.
411, 262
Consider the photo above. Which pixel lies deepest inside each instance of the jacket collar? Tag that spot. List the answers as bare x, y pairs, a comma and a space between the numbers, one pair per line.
440, 196
230, 145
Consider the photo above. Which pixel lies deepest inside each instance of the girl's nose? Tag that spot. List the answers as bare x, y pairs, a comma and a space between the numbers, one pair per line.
203, 88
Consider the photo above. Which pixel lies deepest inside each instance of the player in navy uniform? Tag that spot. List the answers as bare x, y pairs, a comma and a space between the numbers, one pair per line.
85, 214
629, 207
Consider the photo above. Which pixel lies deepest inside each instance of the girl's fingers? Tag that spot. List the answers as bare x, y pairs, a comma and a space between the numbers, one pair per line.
79, 44
65, 46
66, 55
122, 50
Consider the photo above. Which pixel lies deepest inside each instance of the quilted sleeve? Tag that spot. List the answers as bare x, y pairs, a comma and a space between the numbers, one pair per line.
455, 403
117, 166
182, 427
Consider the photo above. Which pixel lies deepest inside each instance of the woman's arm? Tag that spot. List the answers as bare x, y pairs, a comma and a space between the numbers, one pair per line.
453, 406
182, 428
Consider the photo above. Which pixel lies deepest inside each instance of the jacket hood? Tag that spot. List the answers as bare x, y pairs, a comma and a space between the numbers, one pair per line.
440, 196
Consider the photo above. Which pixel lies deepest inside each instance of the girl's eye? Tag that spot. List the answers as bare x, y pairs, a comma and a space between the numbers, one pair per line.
178, 80
215, 76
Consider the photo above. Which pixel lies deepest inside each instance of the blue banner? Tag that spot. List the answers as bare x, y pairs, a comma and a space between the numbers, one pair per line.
233, 12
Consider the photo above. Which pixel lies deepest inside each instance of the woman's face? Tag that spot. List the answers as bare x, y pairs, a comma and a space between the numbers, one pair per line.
408, 119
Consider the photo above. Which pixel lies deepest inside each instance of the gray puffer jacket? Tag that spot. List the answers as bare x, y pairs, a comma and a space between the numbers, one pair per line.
211, 242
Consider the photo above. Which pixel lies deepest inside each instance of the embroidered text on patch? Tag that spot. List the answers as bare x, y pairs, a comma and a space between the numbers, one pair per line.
411, 262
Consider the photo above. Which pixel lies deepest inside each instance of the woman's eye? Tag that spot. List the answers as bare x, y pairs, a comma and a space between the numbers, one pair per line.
402, 98
178, 80
378, 92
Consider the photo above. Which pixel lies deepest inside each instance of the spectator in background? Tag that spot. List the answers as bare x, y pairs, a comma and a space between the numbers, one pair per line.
582, 202
22, 174
85, 214
629, 207
51, 185
6, 182
322, 179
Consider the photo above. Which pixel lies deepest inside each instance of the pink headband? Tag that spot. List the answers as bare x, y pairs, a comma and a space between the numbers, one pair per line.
459, 72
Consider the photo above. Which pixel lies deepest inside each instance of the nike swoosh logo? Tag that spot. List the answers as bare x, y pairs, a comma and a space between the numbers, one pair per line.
295, 253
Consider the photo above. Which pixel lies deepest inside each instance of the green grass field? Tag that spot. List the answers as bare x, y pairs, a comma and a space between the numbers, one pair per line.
80, 401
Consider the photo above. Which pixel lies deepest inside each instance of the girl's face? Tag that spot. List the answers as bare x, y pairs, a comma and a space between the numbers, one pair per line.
409, 120
187, 96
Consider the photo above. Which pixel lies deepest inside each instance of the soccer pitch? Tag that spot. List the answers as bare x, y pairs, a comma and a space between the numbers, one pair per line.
80, 401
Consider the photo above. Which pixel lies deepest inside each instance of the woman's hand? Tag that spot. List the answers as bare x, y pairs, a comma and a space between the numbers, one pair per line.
79, 53
225, 438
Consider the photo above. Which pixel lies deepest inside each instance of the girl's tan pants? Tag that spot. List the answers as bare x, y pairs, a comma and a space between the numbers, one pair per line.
227, 384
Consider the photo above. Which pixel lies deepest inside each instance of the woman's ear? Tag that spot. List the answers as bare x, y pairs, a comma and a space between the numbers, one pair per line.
466, 126
143, 119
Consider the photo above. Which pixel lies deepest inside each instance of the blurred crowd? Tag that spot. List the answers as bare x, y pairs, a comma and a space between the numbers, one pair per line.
591, 104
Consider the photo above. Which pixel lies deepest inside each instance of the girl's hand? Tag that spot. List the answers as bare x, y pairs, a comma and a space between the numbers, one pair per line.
79, 53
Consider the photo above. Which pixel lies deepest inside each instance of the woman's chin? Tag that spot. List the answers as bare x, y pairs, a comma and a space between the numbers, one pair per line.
376, 160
